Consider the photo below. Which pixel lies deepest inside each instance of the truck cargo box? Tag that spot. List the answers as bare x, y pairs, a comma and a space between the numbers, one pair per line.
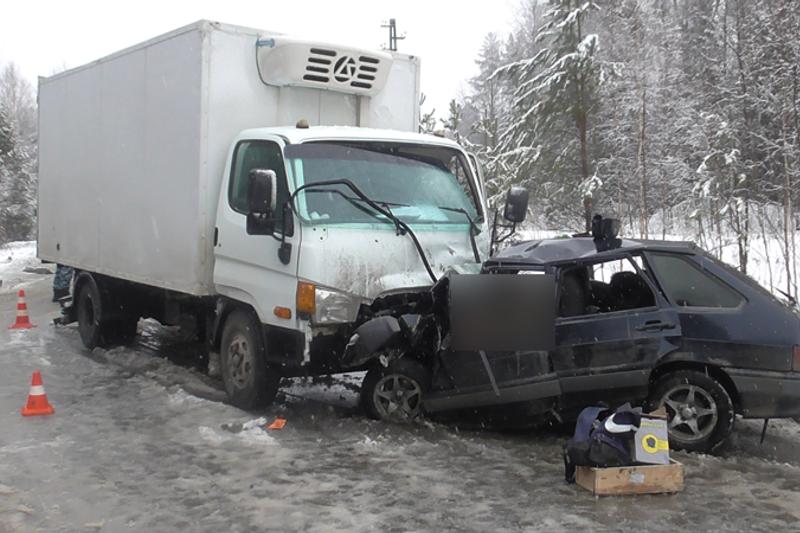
133, 146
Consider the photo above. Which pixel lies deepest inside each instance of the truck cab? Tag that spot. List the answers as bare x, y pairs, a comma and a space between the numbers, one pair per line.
352, 217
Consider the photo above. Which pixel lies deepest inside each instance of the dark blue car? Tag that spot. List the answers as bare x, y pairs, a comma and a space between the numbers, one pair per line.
650, 322
664, 322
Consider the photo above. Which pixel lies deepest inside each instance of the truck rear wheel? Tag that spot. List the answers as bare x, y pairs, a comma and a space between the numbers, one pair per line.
95, 326
89, 311
249, 381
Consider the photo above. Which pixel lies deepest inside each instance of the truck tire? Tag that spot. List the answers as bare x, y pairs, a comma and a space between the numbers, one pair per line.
89, 311
249, 382
395, 393
699, 409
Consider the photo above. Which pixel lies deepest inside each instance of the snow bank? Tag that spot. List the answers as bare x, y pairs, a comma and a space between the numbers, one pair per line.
15, 258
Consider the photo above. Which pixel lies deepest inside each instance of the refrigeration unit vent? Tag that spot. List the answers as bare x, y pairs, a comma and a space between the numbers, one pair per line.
283, 61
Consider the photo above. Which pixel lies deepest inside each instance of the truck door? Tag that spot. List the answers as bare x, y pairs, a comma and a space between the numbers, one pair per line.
612, 326
248, 267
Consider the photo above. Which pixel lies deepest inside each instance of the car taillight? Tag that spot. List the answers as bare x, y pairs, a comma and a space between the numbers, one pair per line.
796, 359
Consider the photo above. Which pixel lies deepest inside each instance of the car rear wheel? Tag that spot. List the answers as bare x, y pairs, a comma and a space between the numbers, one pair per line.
395, 393
699, 410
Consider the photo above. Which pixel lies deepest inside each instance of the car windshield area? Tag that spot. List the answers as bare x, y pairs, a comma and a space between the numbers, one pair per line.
604, 287
419, 184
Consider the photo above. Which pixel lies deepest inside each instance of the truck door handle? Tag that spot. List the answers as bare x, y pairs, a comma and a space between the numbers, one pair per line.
655, 325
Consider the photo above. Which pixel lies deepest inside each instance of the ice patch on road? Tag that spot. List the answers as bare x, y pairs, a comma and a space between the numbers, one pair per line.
335, 390
181, 398
367, 443
250, 432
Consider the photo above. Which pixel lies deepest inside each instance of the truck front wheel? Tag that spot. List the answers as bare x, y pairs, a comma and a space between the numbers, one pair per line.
249, 381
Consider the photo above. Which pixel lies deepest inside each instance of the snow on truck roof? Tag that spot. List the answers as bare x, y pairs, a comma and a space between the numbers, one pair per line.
294, 135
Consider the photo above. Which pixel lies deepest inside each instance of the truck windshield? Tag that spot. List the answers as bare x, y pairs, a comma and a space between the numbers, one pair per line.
418, 183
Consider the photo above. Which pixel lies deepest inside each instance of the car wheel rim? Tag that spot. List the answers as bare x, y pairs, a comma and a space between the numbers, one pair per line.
398, 397
692, 412
240, 361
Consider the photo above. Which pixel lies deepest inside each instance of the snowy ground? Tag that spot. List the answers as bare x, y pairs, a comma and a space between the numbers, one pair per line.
19, 266
141, 441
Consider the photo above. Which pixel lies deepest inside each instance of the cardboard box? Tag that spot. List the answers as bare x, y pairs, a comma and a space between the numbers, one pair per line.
651, 444
641, 479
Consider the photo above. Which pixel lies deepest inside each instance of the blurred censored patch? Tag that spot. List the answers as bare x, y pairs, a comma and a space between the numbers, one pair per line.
502, 312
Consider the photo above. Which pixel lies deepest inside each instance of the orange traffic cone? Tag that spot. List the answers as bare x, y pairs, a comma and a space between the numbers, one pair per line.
23, 322
37, 399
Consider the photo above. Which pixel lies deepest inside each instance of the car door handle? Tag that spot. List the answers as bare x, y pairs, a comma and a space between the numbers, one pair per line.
655, 325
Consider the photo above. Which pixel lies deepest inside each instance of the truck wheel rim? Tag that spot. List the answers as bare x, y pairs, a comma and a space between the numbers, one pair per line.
240, 361
87, 310
692, 412
398, 397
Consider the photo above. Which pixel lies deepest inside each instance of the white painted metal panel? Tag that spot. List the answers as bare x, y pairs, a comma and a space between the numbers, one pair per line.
397, 106
120, 179
69, 129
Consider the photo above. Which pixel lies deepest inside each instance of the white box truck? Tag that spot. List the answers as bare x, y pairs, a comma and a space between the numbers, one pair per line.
273, 190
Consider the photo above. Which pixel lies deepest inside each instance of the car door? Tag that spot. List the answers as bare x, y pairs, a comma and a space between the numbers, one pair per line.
512, 370
613, 326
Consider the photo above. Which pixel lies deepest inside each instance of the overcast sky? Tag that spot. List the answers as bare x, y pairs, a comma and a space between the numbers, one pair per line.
46, 36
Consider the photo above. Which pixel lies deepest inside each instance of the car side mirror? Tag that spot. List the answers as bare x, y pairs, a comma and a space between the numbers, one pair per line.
516, 208
261, 193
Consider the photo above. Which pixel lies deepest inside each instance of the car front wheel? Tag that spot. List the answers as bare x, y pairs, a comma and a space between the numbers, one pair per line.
699, 410
395, 393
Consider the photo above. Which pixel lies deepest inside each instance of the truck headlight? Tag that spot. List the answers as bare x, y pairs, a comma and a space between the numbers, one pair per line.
334, 307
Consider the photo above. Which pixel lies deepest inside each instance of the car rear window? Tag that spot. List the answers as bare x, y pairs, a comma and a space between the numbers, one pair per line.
686, 285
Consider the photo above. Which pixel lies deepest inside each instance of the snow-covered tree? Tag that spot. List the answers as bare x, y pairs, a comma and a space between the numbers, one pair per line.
17, 156
555, 94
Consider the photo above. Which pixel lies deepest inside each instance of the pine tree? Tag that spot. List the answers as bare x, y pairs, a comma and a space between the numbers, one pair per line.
17, 157
555, 95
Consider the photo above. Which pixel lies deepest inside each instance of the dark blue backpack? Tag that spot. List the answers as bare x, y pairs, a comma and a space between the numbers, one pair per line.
593, 445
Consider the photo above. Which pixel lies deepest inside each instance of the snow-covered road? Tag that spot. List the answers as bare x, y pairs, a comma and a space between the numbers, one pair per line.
141, 443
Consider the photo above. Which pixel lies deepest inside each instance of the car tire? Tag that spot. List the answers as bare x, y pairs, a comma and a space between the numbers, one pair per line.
395, 393
90, 313
249, 381
699, 410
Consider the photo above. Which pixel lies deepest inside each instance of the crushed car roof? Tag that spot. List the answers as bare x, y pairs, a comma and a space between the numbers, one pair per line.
551, 251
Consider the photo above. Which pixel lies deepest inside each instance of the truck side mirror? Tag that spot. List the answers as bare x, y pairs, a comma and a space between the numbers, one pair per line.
261, 193
516, 208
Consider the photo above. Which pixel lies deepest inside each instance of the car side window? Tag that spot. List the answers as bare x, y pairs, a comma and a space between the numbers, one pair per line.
603, 287
686, 285
248, 156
